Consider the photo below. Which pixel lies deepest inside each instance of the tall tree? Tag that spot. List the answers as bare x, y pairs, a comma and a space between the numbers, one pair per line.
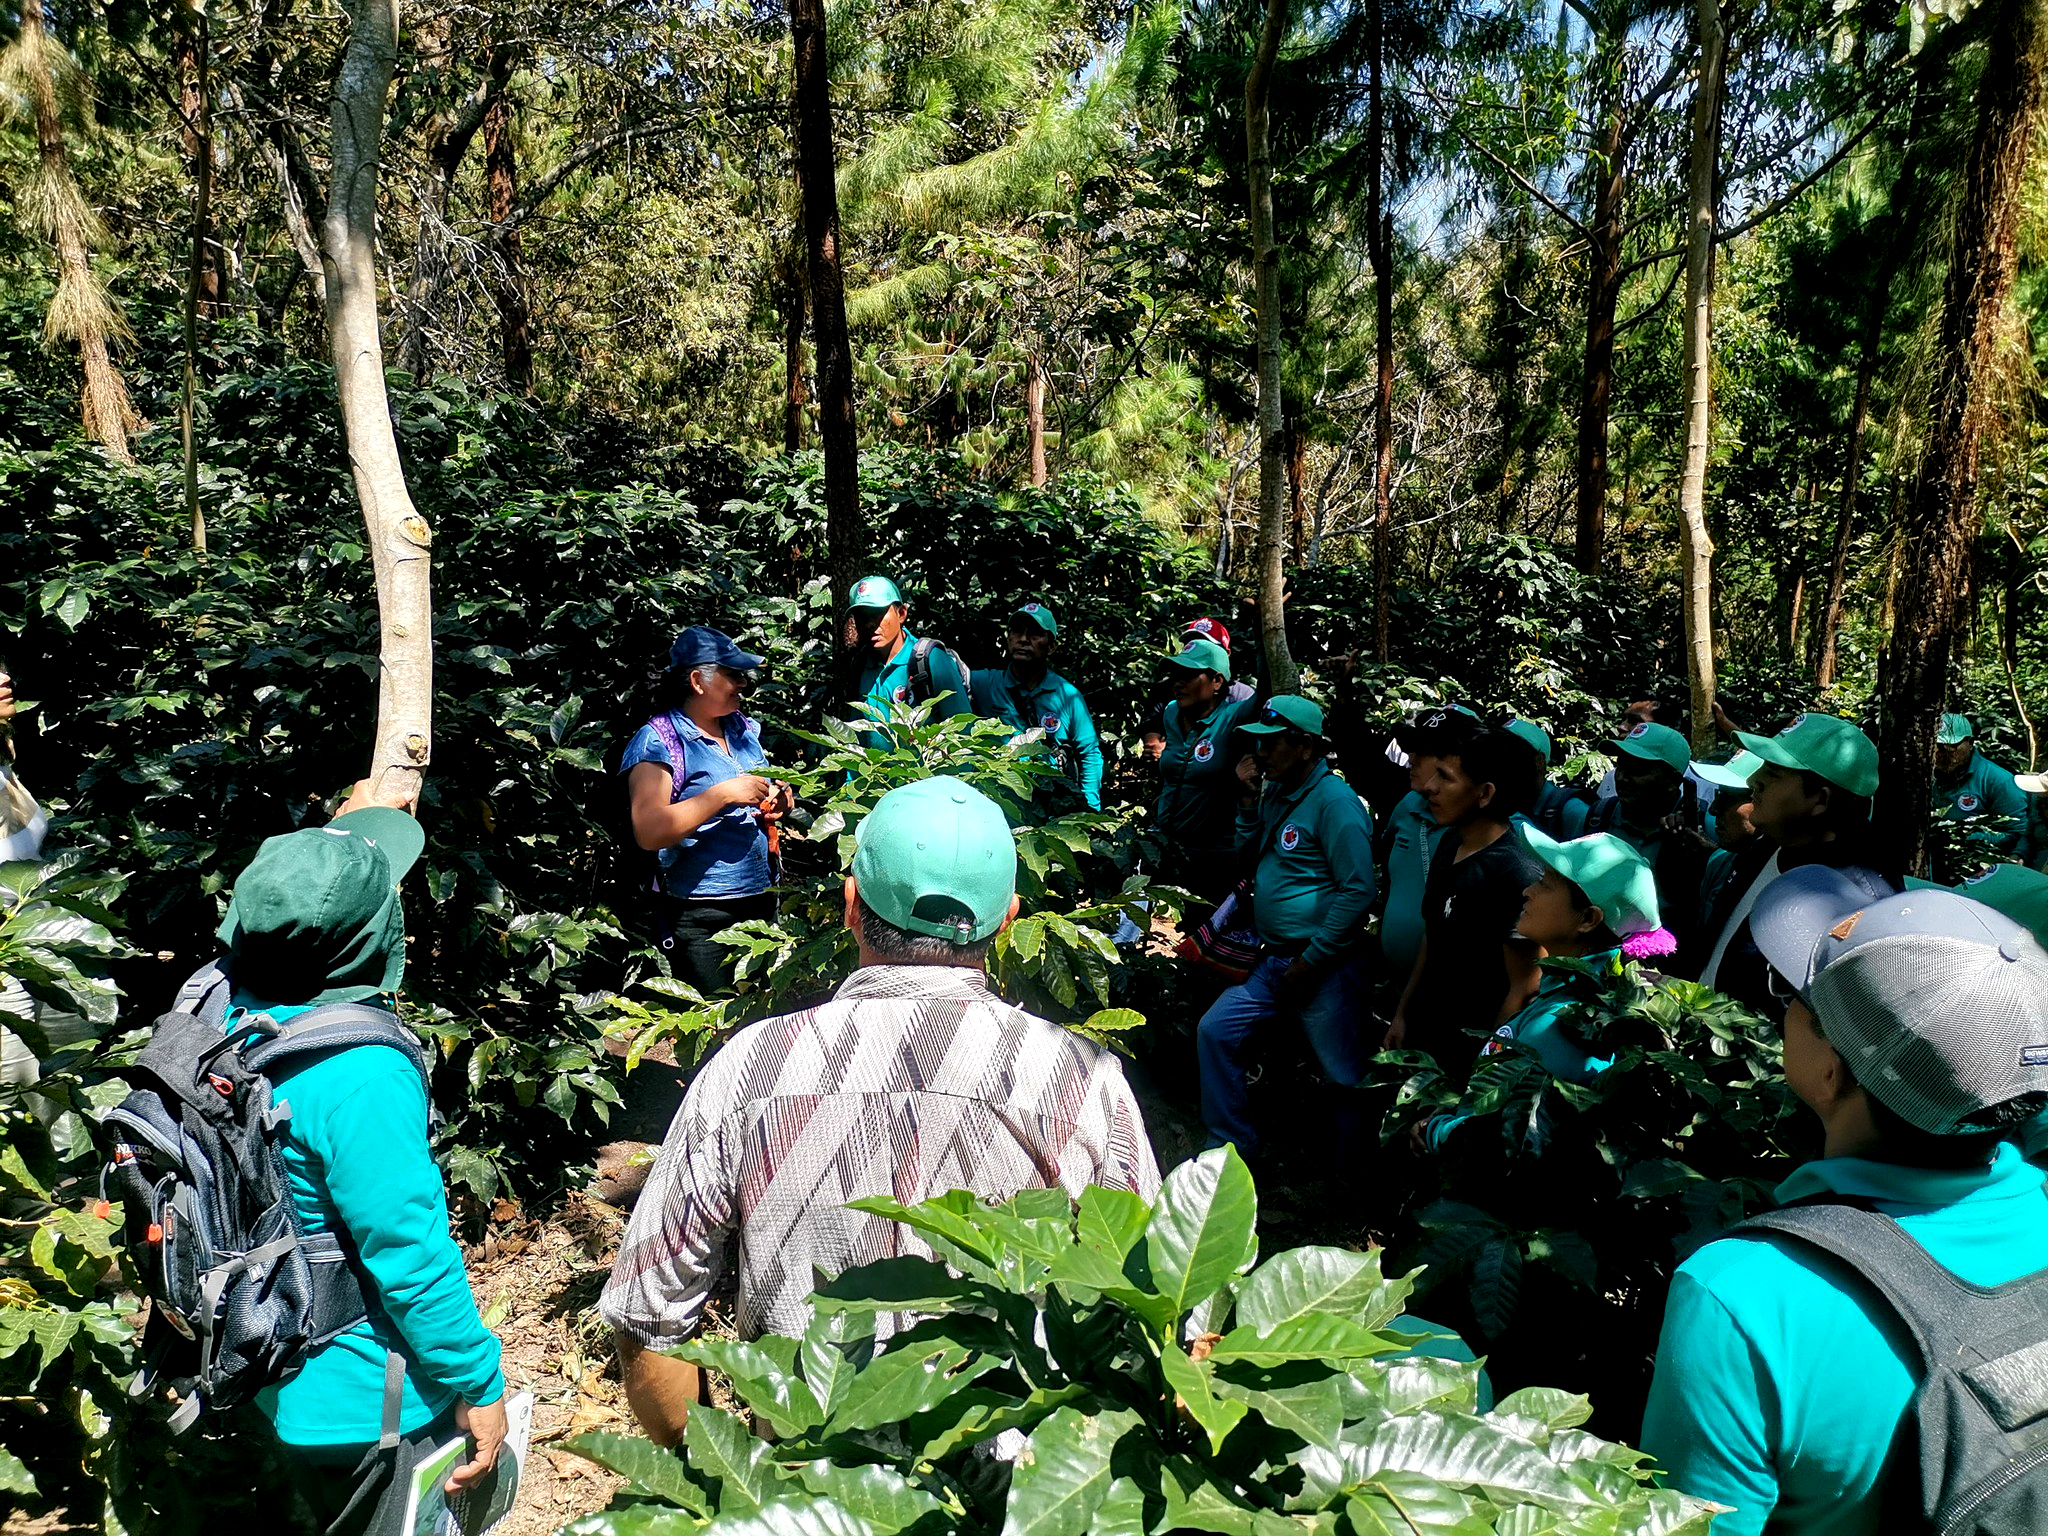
44, 87
202, 278
1699, 370
1379, 235
1940, 519
399, 538
817, 171
501, 177
1272, 422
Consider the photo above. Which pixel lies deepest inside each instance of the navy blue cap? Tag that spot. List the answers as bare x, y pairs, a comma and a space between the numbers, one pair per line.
702, 646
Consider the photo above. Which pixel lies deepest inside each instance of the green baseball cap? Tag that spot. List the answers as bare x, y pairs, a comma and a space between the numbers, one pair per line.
1204, 656
1733, 774
1533, 734
316, 916
1616, 879
1955, 730
2020, 893
1287, 712
937, 858
1038, 614
1824, 744
1656, 743
873, 592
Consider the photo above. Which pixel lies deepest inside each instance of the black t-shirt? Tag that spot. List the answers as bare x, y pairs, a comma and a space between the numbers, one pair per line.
1469, 908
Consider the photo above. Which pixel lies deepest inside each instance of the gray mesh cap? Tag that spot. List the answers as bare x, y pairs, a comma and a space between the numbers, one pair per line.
1938, 1004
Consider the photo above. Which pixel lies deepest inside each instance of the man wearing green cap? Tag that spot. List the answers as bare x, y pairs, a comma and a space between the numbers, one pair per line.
913, 1079
1555, 804
2035, 787
1028, 695
316, 919
887, 665
1975, 791
1198, 783
1311, 838
1810, 804
1654, 811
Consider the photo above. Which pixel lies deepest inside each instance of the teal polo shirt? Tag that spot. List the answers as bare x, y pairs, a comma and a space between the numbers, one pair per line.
1315, 881
886, 684
357, 1159
1413, 837
1052, 705
1987, 796
1563, 1055
1198, 785
1778, 1391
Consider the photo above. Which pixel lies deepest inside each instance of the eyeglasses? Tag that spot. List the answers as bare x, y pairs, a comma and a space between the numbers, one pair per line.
1782, 992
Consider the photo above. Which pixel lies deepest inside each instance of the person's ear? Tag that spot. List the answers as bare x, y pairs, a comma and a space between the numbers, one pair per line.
1591, 918
1825, 799
1016, 906
852, 892
1486, 794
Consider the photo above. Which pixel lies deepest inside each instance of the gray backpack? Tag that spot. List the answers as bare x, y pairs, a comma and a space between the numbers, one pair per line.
239, 1293
1979, 1417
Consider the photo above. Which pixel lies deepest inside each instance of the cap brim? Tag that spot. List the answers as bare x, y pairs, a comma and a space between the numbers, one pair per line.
1192, 663
1795, 912
1043, 621
398, 834
1721, 775
1266, 730
745, 661
1770, 750
2032, 783
1541, 846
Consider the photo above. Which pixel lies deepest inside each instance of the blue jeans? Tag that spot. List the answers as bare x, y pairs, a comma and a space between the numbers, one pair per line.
1332, 1021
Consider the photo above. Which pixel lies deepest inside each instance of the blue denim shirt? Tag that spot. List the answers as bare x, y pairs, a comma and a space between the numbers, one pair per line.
727, 857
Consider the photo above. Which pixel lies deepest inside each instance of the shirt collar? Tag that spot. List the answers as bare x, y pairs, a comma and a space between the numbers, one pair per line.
2007, 1176
897, 981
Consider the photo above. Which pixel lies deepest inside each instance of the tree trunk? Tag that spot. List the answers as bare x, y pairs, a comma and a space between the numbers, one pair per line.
845, 534
398, 535
1697, 545
1034, 416
193, 44
1845, 518
1940, 520
1280, 671
1297, 486
501, 173
793, 397
80, 310
1379, 235
1603, 295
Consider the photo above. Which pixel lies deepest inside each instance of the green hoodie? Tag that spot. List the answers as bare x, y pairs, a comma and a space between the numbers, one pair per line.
1315, 882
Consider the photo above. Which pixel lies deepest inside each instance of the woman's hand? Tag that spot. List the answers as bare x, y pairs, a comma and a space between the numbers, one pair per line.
746, 789
1397, 1031
780, 802
486, 1426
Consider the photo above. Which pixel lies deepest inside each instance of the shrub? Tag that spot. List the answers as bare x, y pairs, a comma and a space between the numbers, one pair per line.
1298, 1409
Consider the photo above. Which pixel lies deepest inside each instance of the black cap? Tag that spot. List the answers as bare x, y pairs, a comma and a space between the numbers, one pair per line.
1435, 732
702, 646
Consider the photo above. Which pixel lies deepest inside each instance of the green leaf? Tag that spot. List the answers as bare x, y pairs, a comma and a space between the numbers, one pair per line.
793, 1517
1308, 1281
770, 1389
635, 1520
1121, 1512
1551, 1406
1196, 1501
1062, 1476
1202, 1230
834, 1348
50, 1333
886, 1500
1401, 1504
650, 1469
904, 1284
1302, 1400
1190, 1382
14, 1477
1313, 1337
1468, 1452
978, 1413
907, 1380
723, 1449
1112, 1220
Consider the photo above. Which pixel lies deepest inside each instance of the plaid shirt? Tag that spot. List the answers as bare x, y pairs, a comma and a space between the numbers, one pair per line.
911, 1081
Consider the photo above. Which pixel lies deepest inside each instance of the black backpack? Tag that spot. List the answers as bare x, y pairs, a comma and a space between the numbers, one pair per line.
922, 684
239, 1294
1979, 1418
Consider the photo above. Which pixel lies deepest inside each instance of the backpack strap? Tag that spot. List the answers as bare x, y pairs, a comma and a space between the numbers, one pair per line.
205, 993
665, 729
335, 1026
1995, 1338
921, 668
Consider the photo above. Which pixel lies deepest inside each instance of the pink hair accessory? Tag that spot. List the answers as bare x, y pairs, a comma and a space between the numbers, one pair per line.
1646, 946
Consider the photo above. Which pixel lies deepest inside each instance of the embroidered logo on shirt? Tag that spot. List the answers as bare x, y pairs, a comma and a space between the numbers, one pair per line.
902, 693
1290, 838
1050, 722
1204, 750
1968, 804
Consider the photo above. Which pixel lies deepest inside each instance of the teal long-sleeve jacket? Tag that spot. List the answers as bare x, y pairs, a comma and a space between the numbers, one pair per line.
1052, 705
1315, 881
358, 1161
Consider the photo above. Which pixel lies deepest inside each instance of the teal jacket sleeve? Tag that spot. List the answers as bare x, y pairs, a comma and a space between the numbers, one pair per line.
387, 1190
1251, 824
2006, 803
1571, 818
1707, 1423
1088, 747
1345, 831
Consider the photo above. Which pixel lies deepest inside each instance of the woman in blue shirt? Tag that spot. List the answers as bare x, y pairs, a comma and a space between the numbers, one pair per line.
701, 804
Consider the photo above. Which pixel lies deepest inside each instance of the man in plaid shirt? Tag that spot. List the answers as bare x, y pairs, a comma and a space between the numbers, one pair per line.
913, 1080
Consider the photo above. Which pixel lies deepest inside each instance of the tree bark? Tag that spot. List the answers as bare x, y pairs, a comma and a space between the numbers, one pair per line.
1697, 545
1034, 416
1940, 519
501, 175
79, 310
193, 44
1258, 84
1297, 486
845, 534
1603, 295
398, 536
1379, 235
794, 314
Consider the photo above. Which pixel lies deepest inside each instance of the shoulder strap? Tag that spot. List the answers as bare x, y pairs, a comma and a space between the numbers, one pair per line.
665, 728
921, 668
205, 993
334, 1026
